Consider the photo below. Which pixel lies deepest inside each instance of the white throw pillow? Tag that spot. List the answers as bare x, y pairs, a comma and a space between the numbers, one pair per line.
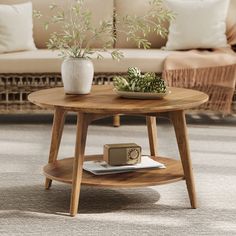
16, 28
198, 24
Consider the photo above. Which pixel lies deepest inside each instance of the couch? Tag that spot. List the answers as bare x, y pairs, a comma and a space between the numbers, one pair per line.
27, 71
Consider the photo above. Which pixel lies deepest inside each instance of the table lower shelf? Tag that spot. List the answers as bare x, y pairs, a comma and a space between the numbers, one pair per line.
61, 171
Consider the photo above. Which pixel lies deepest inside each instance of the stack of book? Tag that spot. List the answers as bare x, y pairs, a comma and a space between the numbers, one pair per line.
102, 168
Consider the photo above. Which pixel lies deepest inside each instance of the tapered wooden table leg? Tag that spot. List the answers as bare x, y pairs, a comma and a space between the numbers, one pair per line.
57, 129
81, 134
179, 122
152, 134
116, 120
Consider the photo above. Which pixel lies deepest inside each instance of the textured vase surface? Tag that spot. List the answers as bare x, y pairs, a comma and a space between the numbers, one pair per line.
77, 75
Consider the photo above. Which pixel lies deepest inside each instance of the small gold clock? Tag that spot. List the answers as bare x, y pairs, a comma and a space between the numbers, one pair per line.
122, 154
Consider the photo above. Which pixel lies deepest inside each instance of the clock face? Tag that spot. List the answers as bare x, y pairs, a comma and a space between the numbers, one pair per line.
133, 153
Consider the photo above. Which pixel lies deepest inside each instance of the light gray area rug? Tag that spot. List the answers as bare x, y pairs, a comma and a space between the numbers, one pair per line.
27, 209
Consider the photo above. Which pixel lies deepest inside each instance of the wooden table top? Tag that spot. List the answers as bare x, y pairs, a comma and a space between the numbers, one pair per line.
103, 99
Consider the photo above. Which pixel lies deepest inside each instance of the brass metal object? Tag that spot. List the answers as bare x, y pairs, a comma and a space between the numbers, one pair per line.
122, 154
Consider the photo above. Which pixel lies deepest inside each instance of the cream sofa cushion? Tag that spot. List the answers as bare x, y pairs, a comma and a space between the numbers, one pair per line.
151, 60
101, 9
231, 19
46, 61
198, 24
16, 28
135, 7
37, 61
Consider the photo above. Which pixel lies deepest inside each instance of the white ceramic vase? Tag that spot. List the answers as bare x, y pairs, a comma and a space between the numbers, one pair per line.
77, 75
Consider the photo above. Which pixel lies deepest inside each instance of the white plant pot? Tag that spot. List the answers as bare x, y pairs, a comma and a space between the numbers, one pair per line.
77, 75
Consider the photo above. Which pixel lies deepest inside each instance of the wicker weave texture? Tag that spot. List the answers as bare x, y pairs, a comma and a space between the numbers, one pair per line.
14, 90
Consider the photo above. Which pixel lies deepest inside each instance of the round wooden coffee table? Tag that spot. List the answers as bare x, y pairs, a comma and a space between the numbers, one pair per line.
103, 102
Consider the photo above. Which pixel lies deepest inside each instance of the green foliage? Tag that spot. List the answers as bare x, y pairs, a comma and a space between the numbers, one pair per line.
147, 23
135, 81
78, 33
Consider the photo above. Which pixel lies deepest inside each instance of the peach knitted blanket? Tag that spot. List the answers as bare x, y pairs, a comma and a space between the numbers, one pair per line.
210, 71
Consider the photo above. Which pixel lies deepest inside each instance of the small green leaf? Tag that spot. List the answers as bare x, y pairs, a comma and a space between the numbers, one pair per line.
46, 25
52, 6
99, 56
37, 14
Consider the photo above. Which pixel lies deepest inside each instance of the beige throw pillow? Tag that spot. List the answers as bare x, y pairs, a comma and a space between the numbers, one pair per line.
198, 24
16, 28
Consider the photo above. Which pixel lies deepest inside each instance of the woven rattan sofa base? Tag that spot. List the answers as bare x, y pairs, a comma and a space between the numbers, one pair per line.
14, 89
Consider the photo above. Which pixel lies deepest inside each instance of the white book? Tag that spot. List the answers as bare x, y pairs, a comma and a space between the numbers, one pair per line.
102, 168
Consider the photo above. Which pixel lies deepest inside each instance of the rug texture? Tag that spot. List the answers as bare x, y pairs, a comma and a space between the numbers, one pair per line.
27, 209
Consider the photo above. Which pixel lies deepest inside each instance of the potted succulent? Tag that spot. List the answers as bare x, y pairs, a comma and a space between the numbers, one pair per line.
140, 85
77, 68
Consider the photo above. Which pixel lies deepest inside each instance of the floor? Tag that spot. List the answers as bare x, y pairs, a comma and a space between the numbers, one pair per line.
27, 209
